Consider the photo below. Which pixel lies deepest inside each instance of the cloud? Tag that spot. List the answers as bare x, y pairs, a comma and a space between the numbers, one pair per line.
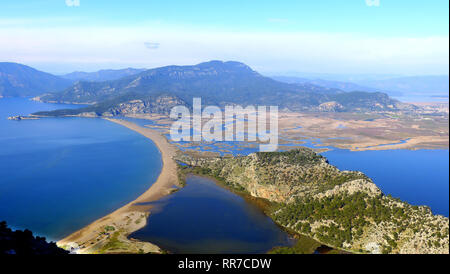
151, 45
22, 22
73, 3
268, 52
373, 3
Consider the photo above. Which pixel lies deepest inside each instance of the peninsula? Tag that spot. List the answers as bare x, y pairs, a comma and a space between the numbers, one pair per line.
341, 209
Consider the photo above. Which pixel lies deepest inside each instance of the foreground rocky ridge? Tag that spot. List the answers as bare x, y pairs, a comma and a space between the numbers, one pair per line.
343, 209
24, 243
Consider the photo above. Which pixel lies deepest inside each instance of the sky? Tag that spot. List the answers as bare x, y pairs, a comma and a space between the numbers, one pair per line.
401, 37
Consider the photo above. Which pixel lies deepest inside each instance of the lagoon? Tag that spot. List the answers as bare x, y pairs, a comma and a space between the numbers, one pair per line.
204, 218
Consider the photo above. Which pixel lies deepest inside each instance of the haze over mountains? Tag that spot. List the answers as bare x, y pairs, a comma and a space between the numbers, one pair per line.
433, 85
429, 85
344, 86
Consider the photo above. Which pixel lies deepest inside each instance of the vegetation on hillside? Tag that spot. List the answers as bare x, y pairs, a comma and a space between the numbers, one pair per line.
341, 209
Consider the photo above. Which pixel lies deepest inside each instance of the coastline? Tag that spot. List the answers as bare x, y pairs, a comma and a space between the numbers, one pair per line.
96, 238
264, 205
109, 233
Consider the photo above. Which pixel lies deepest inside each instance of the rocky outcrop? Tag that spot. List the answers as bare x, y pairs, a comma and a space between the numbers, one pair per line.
20, 118
127, 105
331, 107
160, 105
352, 187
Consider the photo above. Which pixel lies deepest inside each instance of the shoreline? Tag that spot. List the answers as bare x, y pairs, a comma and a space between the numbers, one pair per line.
109, 233
263, 205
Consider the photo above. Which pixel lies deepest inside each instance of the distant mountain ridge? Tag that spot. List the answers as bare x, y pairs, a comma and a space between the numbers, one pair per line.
17, 80
430, 85
221, 83
344, 86
101, 75
433, 84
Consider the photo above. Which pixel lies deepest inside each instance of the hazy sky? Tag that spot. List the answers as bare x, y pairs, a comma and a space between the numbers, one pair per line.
274, 37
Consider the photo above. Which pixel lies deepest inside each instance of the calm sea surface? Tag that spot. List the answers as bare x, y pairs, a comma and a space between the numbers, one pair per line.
420, 177
58, 175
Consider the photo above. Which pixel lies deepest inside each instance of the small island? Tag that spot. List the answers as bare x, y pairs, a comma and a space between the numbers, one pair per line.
20, 118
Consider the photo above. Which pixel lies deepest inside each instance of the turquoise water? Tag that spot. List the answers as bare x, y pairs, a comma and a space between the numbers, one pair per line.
58, 175
205, 218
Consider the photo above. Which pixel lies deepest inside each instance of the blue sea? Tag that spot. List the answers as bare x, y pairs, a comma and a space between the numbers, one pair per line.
58, 175
420, 177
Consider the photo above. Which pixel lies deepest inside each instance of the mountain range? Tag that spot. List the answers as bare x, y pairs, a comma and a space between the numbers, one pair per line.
217, 83
126, 91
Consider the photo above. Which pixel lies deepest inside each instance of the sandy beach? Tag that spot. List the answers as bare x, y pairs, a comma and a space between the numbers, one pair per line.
109, 234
